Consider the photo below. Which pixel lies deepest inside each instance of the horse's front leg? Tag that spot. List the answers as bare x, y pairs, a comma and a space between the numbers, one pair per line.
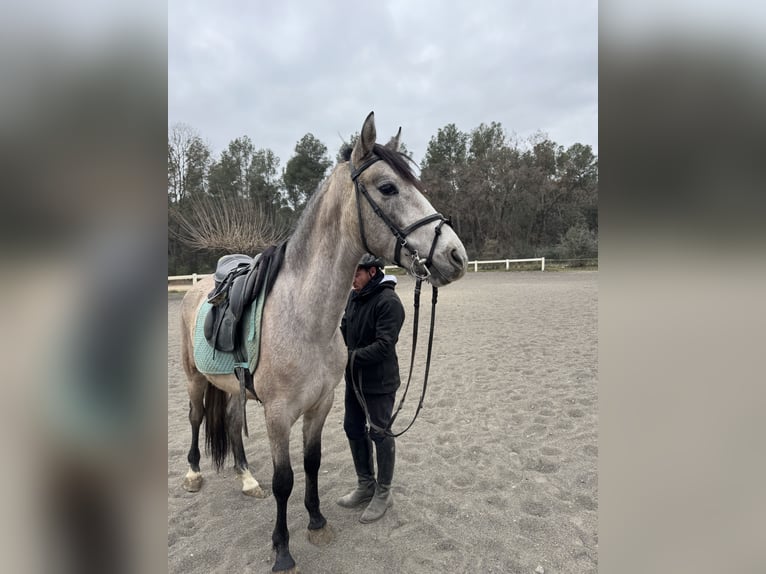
282, 486
319, 532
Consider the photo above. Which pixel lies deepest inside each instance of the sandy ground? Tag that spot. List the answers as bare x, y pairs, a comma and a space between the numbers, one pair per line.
498, 474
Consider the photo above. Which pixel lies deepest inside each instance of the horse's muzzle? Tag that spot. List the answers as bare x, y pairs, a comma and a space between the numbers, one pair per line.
450, 265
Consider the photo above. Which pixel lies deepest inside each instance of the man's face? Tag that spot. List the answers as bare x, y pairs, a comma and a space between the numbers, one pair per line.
362, 276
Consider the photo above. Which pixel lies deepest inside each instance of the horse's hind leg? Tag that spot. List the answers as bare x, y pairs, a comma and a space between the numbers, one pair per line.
196, 387
234, 417
320, 532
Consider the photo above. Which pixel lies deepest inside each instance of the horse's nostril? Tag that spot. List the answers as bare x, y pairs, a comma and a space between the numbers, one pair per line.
457, 258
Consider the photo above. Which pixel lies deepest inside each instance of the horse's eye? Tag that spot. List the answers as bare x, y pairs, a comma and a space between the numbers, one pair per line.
388, 189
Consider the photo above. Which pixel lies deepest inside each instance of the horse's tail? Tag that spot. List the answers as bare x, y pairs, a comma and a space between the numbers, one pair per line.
216, 436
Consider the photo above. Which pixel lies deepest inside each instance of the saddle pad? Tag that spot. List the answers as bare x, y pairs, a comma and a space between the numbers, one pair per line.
213, 362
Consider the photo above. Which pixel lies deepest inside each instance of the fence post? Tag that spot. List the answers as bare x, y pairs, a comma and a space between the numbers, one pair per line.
543, 269
194, 278
476, 266
507, 264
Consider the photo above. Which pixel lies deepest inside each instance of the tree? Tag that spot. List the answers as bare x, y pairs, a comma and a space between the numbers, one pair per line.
305, 170
492, 174
443, 172
578, 173
567, 189
578, 242
188, 168
505, 199
508, 201
446, 152
188, 162
229, 176
486, 141
264, 182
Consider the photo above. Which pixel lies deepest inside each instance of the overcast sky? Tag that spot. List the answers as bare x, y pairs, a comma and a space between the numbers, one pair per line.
275, 71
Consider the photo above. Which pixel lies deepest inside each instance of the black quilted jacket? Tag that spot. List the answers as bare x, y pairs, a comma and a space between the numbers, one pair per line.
371, 326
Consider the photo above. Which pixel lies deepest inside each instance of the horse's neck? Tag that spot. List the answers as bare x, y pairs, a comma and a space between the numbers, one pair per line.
321, 257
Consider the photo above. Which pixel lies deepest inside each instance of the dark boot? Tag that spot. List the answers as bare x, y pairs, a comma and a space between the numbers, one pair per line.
383, 499
361, 452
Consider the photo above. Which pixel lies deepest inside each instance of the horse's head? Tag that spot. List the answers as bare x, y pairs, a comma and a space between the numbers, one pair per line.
396, 221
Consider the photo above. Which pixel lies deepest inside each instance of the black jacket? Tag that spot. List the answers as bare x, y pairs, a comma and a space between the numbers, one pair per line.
371, 326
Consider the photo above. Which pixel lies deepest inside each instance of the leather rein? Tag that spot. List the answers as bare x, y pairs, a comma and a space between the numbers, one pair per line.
421, 271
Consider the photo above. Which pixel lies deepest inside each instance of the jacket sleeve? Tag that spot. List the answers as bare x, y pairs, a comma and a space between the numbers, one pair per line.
389, 317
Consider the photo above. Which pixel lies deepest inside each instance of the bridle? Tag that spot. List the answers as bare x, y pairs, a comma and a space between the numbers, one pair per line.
421, 271
420, 266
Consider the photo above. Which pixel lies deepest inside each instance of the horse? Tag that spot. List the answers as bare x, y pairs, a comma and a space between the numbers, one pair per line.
370, 203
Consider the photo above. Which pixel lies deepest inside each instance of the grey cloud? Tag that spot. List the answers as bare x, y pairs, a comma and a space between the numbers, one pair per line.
275, 72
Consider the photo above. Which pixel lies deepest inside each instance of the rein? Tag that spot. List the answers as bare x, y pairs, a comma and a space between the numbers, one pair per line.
420, 268
358, 388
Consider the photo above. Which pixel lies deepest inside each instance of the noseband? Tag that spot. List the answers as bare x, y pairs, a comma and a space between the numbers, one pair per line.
420, 266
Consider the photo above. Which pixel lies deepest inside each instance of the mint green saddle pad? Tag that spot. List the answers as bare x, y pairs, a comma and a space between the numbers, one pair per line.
213, 362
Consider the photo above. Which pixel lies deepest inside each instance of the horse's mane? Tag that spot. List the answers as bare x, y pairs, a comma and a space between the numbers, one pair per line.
399, 162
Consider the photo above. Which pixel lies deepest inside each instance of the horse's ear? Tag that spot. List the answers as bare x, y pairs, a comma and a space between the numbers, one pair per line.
393, 144
365, 142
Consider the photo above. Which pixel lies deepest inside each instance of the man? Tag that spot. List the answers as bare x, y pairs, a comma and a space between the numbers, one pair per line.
370, 326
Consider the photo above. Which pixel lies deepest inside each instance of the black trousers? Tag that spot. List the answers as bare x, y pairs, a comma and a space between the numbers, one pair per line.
380, 408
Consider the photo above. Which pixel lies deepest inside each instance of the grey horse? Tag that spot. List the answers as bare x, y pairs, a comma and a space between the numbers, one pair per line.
373, 202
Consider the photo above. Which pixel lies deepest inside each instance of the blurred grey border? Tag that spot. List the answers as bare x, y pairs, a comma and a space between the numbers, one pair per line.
83, 125
682, 336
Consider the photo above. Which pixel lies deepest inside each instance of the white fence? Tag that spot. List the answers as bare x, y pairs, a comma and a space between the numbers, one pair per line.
194, 277
507, 263
173, 281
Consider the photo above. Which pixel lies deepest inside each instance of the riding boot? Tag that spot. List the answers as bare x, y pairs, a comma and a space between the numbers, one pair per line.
361, 452
383, 499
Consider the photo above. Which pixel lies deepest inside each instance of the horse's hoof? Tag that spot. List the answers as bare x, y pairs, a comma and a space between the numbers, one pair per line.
192, 481
322, 536
250, 486
285, 566
254, 491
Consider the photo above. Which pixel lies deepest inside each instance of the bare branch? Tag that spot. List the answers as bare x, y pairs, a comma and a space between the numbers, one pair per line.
235, 225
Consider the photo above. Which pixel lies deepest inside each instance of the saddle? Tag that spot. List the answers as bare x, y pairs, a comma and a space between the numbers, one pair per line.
239, 281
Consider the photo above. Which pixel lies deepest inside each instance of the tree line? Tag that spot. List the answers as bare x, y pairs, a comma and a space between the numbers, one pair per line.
506, 198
